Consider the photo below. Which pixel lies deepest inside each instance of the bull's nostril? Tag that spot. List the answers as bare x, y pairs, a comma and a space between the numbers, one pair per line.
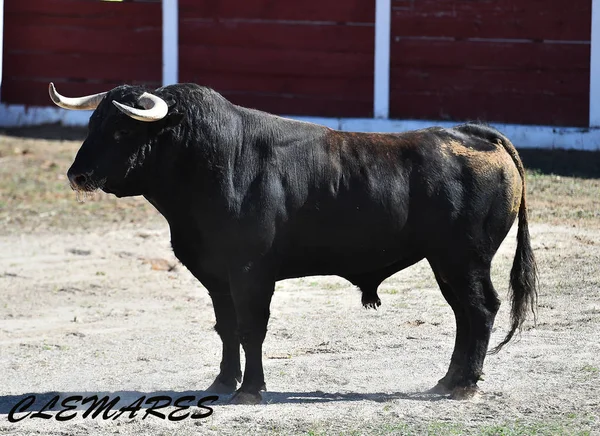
78, 180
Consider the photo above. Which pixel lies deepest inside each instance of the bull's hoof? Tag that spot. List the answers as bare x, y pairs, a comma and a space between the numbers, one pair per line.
247, 398
465, 393
218, 387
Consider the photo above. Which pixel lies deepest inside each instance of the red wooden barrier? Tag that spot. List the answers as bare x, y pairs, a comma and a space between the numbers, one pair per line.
83, 46
313, 57
512, 61
519, 61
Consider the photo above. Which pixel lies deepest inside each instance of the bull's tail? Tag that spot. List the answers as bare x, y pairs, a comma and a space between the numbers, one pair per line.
523, 275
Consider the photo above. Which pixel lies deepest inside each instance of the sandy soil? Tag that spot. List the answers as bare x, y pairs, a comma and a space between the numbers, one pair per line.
107, 310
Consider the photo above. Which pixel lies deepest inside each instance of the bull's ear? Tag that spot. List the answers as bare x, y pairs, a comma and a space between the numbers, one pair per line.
173, 119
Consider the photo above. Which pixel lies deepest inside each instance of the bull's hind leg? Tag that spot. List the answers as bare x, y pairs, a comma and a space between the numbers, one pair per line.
470, 293
448, 382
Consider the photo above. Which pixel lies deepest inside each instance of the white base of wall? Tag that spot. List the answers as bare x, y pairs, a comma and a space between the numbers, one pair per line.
19, 116
522, 136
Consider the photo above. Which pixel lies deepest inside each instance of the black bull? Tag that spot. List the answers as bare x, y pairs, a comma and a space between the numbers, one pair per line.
253, 198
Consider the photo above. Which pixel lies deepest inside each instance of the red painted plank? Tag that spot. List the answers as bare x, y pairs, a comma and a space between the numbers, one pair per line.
271, 34
424, 53
81, 40
108, 67
292, 63
534, 19
35, 92
505, 108
88, 14
564, 5
455, 6
313, 106
349, 89
356, 11
79, 8
517, 5
103, 20
502, 24
533, 82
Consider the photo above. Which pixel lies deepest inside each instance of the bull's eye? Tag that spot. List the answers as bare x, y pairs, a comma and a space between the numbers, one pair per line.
122, 134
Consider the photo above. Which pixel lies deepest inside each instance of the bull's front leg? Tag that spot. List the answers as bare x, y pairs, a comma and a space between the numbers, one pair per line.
251, 291
226, 326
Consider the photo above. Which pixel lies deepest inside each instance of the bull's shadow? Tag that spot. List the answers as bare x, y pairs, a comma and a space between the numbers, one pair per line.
568, 163
324, 397
127, 398
51, 132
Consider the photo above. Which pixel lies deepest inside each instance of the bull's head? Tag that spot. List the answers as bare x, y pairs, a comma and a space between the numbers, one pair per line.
121, 131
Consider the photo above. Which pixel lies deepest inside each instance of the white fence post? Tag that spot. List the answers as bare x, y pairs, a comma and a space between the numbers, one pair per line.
1, 39
170, 40
595, 66
381, 91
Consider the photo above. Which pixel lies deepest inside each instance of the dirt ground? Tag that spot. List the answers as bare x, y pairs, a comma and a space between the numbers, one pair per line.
93, 302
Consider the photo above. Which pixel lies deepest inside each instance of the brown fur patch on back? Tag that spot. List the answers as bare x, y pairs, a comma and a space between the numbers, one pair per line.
487, 162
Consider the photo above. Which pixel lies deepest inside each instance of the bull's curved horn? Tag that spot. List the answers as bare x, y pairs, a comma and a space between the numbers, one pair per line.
155, 108
89, 102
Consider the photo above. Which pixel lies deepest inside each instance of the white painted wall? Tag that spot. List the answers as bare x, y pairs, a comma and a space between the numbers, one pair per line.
381, 91
170, 41
595, 66
16, 115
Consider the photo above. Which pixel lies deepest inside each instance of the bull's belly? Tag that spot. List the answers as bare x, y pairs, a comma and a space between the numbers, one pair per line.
353, 241
343, 259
